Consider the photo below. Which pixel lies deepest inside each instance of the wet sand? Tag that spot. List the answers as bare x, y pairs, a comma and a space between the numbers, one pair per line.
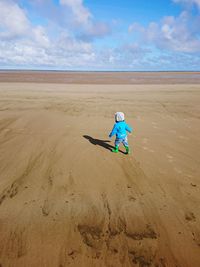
100, 77
66, 200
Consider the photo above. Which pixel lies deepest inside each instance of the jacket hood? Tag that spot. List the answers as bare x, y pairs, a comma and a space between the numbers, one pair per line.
119, 116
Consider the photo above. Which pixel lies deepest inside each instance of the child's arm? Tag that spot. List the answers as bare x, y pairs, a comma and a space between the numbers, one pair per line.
114, 131
128, 128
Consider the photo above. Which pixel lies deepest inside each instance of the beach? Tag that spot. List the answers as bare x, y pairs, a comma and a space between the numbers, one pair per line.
67, 200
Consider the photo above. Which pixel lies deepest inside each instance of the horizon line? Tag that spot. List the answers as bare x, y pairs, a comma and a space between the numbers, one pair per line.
60, 70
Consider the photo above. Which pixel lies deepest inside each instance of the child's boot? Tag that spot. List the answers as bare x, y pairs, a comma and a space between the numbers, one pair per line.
127, 150
116, 149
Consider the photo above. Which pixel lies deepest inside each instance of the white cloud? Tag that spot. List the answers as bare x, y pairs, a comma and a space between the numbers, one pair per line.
179, 34
65, 39
40, 36
135, 49
64, 54
14, 24
135, 27
95, 30
13, 20
80, 12
188, 2
24, 44
37, 50
83, 21
70, 44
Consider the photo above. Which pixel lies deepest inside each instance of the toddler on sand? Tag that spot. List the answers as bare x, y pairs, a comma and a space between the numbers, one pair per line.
119, 129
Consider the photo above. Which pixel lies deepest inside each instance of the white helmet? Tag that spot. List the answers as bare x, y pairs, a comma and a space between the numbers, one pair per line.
119, 116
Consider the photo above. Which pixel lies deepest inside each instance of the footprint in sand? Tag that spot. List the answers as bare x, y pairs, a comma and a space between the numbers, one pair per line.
155, 125
170, 158
148, 149
91, 235
45, 208
189, 216
178, 170
137, 255
139, 118
145, 140
6, 130
131, 198
11, 191
151, 150
183, 137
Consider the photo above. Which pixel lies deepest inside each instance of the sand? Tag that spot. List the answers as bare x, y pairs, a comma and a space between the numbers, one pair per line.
66, 200
162, 77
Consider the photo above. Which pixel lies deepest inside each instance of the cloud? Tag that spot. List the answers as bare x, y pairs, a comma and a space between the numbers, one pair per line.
135, 49
80, 12
180, 34
135, 27
25, 44
40, 36
174, 61
66, 52
95, 30
188, 2
67, 43
61, 45
72, 15
16, 25
64, 34
87, 26
13, 20
171, 43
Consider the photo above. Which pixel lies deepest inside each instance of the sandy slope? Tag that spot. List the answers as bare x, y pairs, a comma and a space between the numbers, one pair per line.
66, 200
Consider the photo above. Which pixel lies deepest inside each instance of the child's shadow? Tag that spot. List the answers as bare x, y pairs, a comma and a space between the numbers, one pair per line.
103, 143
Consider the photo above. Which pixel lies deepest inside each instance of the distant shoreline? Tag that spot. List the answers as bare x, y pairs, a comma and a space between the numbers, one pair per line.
104, 71
100, 77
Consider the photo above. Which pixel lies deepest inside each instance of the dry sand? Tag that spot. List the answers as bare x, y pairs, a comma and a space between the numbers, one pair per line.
66, 200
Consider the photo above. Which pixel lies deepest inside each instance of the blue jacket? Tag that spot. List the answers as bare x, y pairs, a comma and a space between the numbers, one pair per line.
119, 129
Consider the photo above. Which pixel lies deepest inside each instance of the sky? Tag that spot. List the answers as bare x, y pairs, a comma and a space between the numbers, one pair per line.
100, 35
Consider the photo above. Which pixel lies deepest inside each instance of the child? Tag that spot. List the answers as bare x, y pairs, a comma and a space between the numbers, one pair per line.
119, 129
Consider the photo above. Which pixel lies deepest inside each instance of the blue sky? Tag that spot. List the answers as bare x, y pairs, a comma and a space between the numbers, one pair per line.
100, 35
